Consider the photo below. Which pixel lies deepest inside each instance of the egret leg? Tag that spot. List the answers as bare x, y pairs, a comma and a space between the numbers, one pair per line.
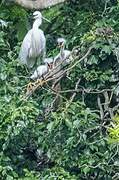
26, 69
35, 64
43, 80
28, 72
39, 82
39, 61
30, 87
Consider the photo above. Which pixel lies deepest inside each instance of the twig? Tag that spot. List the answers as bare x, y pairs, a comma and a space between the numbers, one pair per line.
106, 104
74, 94
105, 8
88, 52
88, 91
100, 107
55, 82
49, 89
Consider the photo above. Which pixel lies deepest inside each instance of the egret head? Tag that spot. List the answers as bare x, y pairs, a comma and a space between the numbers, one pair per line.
49, 62
37, 14
61, 42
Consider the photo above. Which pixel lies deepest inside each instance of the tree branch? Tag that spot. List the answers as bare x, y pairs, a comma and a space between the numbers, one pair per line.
51, 75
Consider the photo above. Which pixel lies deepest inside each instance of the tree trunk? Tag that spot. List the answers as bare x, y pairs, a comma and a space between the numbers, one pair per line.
38, 4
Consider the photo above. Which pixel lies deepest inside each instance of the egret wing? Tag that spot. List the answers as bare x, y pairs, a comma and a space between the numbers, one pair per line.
38, 43
25, 48
67, 56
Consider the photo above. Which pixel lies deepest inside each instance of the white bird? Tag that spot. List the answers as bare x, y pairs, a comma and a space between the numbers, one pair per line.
39, 72
34, 43
49, 61
64, 55
42, 69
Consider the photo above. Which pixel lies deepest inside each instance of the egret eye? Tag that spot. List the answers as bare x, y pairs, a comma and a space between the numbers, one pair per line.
35, 16
60, 44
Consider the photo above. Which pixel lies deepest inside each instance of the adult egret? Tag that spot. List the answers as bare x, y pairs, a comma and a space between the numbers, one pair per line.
42, 69
64, 55
34, 43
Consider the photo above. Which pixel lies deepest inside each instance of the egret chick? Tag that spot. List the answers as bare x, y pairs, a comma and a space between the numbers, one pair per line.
42, 69
40, 72
64, 55
49, 61
34, 43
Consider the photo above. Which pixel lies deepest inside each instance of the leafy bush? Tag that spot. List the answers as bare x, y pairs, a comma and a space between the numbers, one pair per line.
73, 141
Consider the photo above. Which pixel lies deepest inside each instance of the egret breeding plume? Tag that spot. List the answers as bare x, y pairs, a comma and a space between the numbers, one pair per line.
34, 43
42, 69
64, 53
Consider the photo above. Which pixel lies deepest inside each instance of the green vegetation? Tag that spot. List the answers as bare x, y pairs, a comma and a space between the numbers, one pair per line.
80, 139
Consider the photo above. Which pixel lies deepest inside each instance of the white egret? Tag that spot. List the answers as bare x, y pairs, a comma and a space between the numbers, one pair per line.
42, 69
49, 61
39, 72
64, 55
34, 43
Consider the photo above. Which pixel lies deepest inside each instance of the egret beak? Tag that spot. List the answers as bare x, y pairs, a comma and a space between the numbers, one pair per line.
46, 19
60, 45
33, 17
50, 65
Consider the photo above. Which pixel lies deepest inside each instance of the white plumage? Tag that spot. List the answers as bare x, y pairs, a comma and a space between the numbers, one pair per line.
48, 60
34, 43
40, 72
64, 55
42, 69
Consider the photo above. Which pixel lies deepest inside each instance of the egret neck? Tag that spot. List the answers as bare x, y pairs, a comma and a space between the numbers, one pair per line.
35, 37
37, 23
62, 52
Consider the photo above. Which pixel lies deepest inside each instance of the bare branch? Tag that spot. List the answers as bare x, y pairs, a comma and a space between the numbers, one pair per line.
74, 94
100, 107
76, 87
106, 104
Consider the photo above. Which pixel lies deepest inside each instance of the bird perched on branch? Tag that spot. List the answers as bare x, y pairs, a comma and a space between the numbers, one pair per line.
64, 55
34, 43
49, 61
42, 69
39, 72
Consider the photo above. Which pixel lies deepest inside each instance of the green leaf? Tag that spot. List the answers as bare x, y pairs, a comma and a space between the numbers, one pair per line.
107, 49
68, 123
50, 126
93, 60
86, 170
9, 177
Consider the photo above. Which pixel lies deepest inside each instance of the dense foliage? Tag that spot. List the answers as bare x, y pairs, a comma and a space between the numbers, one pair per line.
79, 140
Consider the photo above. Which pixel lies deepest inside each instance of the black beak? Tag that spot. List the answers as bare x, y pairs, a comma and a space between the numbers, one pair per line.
50, 65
